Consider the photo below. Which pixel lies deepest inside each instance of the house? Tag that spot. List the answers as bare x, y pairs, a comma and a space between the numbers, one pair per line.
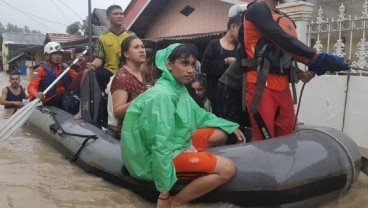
67, 41
333, 100
63, 38
23, 50
12, 42
100, 23
164, 22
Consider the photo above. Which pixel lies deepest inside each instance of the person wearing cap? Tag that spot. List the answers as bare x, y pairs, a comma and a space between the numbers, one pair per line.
165, 132
45, 74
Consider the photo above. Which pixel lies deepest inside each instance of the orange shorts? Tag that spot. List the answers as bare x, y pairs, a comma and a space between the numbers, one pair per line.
200, 138
191, 165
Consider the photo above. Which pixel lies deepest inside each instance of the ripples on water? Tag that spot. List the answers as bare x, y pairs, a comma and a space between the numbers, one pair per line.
33, 174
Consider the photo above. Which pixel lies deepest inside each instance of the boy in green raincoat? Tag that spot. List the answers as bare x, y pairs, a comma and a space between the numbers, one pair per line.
165, 131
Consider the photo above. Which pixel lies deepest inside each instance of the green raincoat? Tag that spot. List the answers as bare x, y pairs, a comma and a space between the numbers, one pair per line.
158, 126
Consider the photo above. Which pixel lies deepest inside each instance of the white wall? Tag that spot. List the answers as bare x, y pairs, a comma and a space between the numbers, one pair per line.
323, 104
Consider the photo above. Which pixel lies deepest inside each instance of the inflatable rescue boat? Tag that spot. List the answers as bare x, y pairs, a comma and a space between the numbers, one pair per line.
311, 166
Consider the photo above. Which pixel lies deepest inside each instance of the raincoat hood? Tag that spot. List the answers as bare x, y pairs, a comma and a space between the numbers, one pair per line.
158, 126
161, 58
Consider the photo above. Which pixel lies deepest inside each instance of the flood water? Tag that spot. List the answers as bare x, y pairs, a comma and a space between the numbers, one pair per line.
33, 175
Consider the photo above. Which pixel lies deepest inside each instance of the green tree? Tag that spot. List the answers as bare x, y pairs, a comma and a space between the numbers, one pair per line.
18, 29
74, 28
26, 29
35, 31
10, 28
85, 26
2, 28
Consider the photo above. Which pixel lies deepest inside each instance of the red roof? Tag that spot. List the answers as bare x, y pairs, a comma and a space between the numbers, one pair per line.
62, 38
134, 10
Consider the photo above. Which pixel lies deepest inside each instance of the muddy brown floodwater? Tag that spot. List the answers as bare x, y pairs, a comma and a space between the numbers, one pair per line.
33, 175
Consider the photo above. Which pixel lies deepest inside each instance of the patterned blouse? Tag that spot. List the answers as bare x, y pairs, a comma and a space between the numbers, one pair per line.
124, 80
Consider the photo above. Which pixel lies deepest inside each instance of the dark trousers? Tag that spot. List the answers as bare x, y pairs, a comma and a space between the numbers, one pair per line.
229, 107
212, 82
103, 78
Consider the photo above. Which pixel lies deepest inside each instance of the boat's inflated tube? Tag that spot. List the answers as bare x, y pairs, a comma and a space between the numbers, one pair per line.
311, 166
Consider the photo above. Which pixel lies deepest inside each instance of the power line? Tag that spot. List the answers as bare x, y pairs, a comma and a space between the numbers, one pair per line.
32, 14
28, 15
71, 9
61, 11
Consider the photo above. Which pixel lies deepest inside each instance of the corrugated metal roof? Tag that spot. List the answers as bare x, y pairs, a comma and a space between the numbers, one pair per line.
65, 45
62, 38
23, 38
189, 37
99, 18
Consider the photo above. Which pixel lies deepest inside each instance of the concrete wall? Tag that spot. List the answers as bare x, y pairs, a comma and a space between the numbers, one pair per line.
330, 100
323, 104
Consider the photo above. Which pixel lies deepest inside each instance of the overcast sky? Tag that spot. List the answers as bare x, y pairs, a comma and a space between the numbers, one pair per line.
50, 16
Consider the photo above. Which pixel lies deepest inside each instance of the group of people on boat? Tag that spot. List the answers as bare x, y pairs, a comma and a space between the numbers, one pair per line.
168, 121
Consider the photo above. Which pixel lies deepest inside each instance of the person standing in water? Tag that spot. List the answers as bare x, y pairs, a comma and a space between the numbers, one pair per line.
12, 96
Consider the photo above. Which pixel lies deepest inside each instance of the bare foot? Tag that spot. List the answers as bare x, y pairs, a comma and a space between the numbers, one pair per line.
164, 203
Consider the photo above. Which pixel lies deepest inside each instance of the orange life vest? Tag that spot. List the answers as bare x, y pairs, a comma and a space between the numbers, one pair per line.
270, 66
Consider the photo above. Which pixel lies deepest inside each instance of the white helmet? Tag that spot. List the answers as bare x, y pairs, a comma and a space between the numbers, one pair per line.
52, 47
237, 9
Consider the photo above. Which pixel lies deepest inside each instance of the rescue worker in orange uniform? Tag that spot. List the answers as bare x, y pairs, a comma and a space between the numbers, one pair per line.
270, 41
45, 74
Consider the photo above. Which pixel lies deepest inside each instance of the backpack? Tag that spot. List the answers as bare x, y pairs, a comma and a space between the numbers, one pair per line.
270, 59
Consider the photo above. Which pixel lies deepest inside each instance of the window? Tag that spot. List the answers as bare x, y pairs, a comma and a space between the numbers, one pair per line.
187, 10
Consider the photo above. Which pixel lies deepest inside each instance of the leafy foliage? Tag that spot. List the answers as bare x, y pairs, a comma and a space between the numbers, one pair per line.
85, 26
74, 28
10, 28
78, 28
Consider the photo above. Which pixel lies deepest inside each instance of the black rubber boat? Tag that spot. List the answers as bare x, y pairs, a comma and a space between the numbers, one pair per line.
309, 167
